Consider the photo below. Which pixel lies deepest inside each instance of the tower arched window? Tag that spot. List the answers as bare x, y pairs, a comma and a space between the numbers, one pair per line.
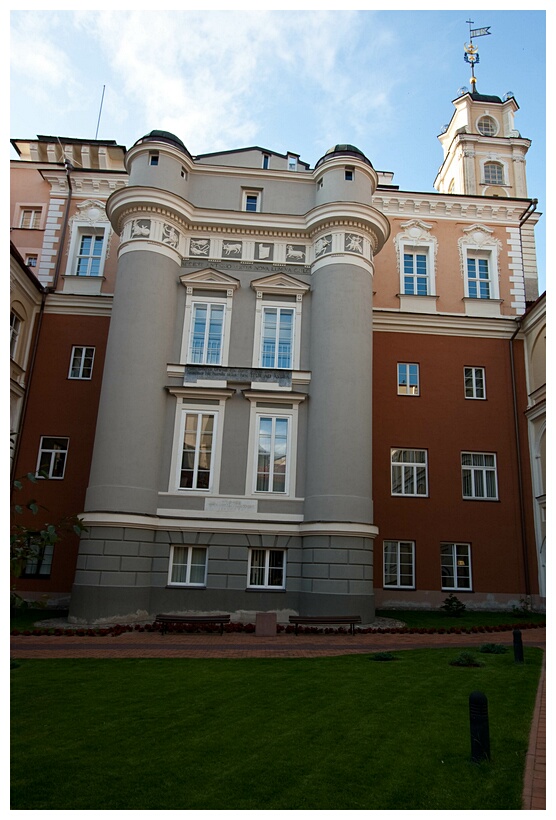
494, 173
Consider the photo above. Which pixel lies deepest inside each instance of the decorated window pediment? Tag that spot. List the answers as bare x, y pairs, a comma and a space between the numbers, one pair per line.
209, 279
280, 283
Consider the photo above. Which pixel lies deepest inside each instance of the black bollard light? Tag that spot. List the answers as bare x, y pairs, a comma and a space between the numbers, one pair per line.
478, 724
518, 646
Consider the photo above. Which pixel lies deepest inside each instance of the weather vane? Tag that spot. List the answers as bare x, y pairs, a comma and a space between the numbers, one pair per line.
471, 54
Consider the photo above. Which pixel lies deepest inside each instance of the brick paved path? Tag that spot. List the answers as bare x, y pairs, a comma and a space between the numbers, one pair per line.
240, 645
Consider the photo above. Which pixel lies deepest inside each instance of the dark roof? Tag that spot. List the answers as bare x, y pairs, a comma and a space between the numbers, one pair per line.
343, 150
484, 97
164, 136
253, 148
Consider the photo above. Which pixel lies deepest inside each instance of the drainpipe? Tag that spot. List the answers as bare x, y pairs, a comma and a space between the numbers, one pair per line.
519, 467
30, 371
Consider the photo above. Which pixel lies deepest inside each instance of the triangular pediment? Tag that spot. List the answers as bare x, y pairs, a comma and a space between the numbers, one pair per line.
209, 279
279, 283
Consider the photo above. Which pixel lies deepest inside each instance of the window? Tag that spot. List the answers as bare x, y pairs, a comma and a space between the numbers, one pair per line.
30, 218
207, 333
455, 562
474, 381
487, 126
272, 454
81, 365
478, 277
399, 564
415, 273
494, 173
251, 201
197, 452
15, 329
408, 379
409, 472
478, 473
277, 337
349, 174
266, 161
31, 260
267, 568
292, 162
153, 159
90, 254
40, 564
188, 566
52, 457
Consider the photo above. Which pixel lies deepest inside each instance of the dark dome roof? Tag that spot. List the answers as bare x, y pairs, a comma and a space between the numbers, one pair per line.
164, 136
345, 150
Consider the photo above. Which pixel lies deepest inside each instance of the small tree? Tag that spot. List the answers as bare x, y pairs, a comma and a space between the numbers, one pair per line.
27, 542
453, 606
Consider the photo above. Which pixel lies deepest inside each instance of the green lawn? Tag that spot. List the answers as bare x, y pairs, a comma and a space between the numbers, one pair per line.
436, 618
323, 733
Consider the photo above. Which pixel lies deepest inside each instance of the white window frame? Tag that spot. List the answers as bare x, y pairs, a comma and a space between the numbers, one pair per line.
475, 387
457, 585
79, 230
274, 419
404, 389
398, 584
35, 219
267, 568
81, 366
285, 407
262, 305
246, 193
39, 566
188, 564
52, 451
16, 324
209, 303
416, 238
183, 408
492, 121
478, 242
476, 470
267, 308
477, 257
491, 164
31, 260
414, 251
409, 468
210, 280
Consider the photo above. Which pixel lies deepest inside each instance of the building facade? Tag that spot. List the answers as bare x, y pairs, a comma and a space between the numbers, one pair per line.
314, 385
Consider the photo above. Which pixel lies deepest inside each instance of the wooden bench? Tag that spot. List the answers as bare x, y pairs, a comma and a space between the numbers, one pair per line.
338, 619
165, 620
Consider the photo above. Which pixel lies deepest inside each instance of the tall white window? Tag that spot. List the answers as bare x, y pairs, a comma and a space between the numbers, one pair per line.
494, 173
81, 365
188, 566
207, 333
409, 472
90, 253
478, 473
30, 218
479, 284
415, 273
399, 564
455, 562
474, 381
408, 379
15, 329
272, 453
277, 337
52, 457
267, 568
197, 452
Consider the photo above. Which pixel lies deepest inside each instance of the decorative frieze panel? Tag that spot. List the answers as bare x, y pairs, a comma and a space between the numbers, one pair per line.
154, 230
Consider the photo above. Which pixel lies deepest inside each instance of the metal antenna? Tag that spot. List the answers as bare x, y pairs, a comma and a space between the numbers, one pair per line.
100, 110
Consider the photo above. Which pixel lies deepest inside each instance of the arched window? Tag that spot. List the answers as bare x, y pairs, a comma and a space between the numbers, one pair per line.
494, 173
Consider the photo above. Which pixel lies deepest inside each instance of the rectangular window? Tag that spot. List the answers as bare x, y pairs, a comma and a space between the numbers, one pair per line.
266, 161
478, 472
81, 365
15, 328
409, 472
415, 274
207, 333
52, 457
474, 380
31, 260
38, 565
349, 174
455, 561
292, 162
408, 379
153, 159
272, 454
251, 202
494, 173
30, 218
399, 564
197, 454
188, 566
267, 568
277, 337
478, 278
90, 254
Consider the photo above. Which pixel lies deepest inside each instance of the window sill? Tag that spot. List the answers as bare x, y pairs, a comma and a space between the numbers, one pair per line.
186, 586
475, 306
265, 589
82, 285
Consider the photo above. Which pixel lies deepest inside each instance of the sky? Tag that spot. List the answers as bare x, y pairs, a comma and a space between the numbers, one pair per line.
285, 80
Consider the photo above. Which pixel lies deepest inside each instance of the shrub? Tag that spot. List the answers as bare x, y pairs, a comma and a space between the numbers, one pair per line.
453, 606
466, 659
493, 648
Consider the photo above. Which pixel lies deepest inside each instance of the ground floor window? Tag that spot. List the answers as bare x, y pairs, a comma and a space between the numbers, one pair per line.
267, 568
188, 566
39, 564
399, 564
52, 457
455, 562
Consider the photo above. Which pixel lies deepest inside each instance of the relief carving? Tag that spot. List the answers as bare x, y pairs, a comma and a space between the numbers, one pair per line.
296, 253
323, 245
199, 247
353, 243
141, 227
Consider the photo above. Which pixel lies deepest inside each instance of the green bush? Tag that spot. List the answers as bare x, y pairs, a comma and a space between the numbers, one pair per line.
466, 659
493, 648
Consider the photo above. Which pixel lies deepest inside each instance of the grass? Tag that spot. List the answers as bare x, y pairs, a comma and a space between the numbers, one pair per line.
436, 618
26, 617
320, 733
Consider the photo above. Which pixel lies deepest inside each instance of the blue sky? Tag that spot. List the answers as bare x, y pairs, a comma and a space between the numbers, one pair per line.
285, 80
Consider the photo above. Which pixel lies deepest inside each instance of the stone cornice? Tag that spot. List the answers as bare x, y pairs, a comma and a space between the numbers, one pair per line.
75, 304
443, 324
449, 206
